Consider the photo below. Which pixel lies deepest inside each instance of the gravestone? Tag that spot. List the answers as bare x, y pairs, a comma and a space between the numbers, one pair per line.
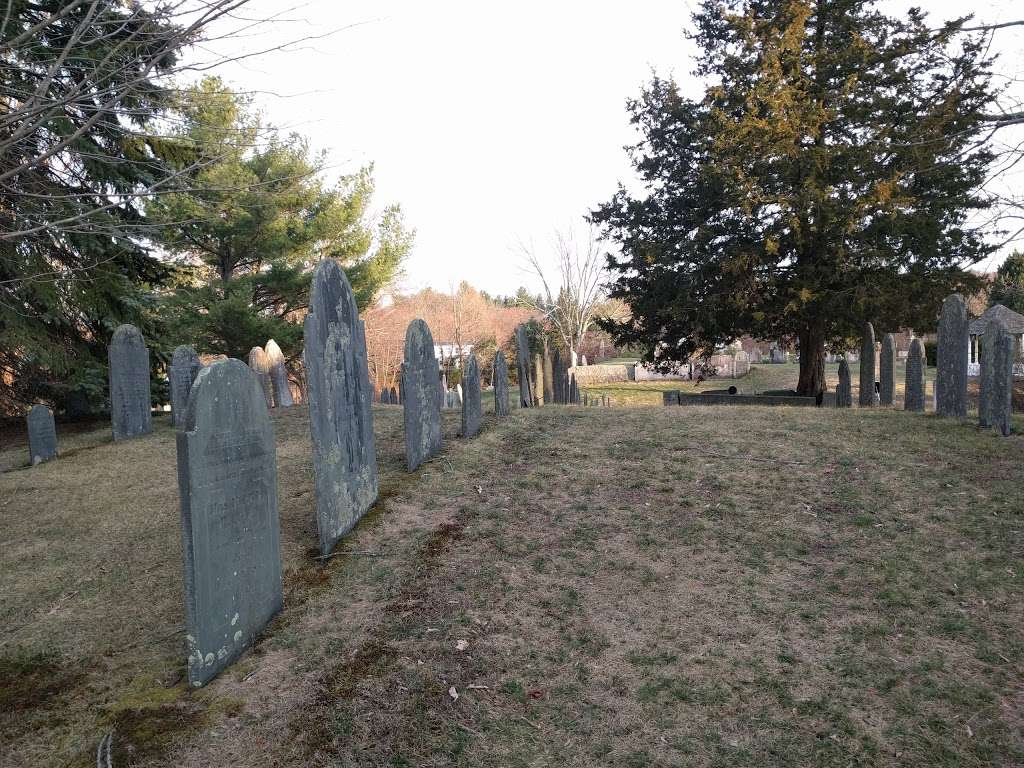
574, 390
458, 395
130, 408
866, 398
549, 378
419, 378
181, 373
279, 376
1001, 405
500, 382
586, 398
583, 360
472, 409
384, 397
538, 380
887, 370
340, 398
557, 379
778, 355
670, 397
395, 399
260, 364
227, 479
987, 364
523, 367
913, 396
844, 390
42, 435
951, 373
443, 378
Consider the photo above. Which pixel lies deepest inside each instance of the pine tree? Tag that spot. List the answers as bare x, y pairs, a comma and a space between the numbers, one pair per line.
1008, 287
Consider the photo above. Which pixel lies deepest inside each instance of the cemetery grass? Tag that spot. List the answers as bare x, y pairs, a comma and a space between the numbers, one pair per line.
712, 587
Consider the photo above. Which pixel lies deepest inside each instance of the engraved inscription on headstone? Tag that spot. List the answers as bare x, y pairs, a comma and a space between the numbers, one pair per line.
419, 386
500, 382
279, 376
42, 435
472, 410
260, 365
913, 396
130, 407
951, 372
181, 373
866, 397
887, 370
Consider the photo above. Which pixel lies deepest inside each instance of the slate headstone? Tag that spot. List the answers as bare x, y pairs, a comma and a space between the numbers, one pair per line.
951, 373
42, 435
395, 399
523, 367
385, 396
1001, 405
472, 409
181, 373
887, 370
844, 390
279, 376
260, 364
913, 396
340, 398
574, 390
500, 381
866, 398
419, 379
130, 407
227, 480
986, 363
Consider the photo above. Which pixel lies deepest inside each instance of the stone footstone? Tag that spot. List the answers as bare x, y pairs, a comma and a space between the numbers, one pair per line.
844, 390
523, 367
913, 396
1001, 404
951, 373
887, 370
340, 406
260, 365
42, 435
988, 370
472, 409
866, 397
419, 379
500, 383
181, 373
131, 412
279, 376
227, 479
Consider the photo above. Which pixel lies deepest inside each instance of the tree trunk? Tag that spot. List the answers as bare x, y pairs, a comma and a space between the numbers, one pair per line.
812, 361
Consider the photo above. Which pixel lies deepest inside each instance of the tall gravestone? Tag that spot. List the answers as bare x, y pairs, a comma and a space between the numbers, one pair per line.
42, 435
278, 376
549, 378
395, 399
866, 397
181, 373
1001, 404
887, 370
560, 383
500, 382
844, 390
951, 373
472, 409
340, 413
419, 379
385, 396
130, 407
523, 367
227, 479
538, 380
574, 390
260, 365
986, 360
913, 396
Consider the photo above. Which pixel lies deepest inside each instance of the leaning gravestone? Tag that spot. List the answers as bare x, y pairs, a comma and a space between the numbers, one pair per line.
419, 379
951, 374
472, 410
844, 390
260, 365
866, 397
340, 413
279, 376
500, 382
227, 478
887, 370
130, 408
395, 399
1001, 405
913, 396
42, 435
523, 367
986, 348
181, 373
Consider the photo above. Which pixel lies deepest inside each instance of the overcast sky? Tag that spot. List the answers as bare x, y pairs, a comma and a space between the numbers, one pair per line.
490, 126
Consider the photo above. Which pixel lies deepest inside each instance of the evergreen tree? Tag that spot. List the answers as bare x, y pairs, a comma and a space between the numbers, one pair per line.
1008, 287
825, 177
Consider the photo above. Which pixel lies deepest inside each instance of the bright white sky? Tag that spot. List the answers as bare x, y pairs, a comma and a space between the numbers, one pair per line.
491, 125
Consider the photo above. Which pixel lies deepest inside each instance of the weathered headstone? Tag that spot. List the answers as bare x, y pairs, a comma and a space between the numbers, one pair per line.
181, 373
385, 396
395, 399
887, 370
42, 435
549, 378
523, 367
866, 397
227, 479
986, 364
500, 381
340, 414
419, 378
583, 360
538, 380
557, 379
913, 395
472, 409
130, 407
279, 376
574, 390
951, 373
1001, 405
443, 394
844, 390
260, 364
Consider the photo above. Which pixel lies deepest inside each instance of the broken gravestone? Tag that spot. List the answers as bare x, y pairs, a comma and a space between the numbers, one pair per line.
42, 435
419, 396
260, 364
130, 407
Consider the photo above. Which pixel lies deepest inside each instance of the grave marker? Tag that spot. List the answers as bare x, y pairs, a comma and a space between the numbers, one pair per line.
523, 367
987, 364
844, 390
130, 407
279, 376
1001, 405
472, 410
866, 398
951, 374
42, 435
419, 379
887, 370
500, 382
913, 396
260, 365
181, 373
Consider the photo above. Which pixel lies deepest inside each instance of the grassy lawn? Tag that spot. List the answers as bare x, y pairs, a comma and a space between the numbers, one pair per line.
712, 587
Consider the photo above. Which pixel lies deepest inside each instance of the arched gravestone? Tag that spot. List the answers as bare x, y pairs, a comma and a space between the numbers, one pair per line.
499, 378
887, 370
130, 408
227, 479
472, 410
260, 364
951, 373
181, 373
42, 435
523, 367
866, 398
278, 376
913, 396
395, 399
419, 382
340, 412
844, 390
1001, 404
986, 348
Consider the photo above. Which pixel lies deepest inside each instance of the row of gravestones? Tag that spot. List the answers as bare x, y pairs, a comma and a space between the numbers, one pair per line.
390, 396
995, 399
551, 380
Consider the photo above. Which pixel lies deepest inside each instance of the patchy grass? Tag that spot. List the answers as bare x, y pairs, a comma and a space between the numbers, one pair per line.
711, 587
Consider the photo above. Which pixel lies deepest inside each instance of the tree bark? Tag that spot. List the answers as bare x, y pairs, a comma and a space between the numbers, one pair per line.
812, 361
